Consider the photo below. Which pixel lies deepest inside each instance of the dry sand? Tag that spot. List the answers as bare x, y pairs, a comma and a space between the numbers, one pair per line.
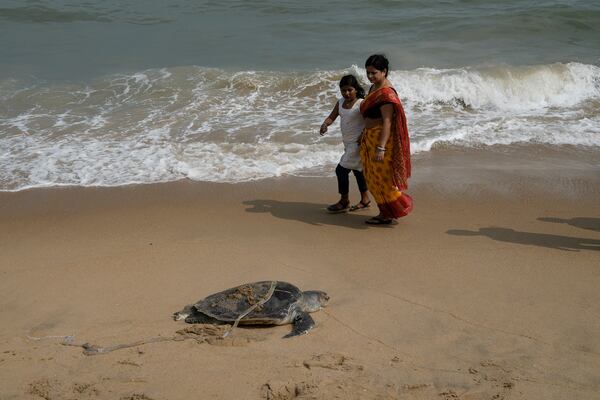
489, 290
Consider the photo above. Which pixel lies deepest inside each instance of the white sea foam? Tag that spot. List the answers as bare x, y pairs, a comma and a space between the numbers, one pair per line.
211, 125
502, 89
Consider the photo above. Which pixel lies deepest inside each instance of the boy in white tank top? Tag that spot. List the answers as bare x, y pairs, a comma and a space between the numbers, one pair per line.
351, 124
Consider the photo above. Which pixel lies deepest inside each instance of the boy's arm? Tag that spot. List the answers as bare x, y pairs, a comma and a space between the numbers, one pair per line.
329, 120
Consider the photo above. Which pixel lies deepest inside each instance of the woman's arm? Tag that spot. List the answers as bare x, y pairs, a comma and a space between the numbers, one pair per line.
387, 113
329, 120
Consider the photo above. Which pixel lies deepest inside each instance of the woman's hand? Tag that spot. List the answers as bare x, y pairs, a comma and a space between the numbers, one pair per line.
379, 155
387, 112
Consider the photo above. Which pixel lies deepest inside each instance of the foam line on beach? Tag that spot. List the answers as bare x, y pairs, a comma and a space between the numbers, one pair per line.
209, 124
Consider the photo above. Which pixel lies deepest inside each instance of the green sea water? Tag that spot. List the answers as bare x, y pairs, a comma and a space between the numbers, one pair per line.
67, 39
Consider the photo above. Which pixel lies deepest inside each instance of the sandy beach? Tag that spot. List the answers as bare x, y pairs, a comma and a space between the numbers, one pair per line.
489, 290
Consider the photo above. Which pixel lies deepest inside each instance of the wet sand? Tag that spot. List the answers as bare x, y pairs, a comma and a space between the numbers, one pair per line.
488, 290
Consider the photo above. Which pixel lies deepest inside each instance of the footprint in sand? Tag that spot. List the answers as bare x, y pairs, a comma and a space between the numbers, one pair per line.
129, 363
332, 387
288, 390
334, 361
85, 389
492, 379
136, 396
53, 389
42, 388
449, 395
316, 388
340, 378
50, 389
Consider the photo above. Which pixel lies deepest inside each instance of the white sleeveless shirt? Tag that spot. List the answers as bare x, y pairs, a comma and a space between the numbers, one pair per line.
352, 122
351, 125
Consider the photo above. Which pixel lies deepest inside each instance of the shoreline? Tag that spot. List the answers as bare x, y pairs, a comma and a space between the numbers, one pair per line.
489, 288
529, 160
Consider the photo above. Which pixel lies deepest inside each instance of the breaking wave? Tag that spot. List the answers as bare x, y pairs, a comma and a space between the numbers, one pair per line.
216, 125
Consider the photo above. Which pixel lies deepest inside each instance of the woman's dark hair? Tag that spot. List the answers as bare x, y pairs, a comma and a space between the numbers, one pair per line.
350, 80
379, 62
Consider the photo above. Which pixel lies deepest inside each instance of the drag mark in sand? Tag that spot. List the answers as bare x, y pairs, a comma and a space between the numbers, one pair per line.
92, 350
434, 310
210, 334
480, 325
429, 308
506, 372
384, 344
459, 318
456, 317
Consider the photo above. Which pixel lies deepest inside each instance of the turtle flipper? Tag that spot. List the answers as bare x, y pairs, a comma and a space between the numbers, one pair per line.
303, 323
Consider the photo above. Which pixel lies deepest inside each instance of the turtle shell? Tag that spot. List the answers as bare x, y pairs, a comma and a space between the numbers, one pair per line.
229, 304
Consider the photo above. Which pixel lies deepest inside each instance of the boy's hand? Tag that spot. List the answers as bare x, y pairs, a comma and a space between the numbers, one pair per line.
323, 129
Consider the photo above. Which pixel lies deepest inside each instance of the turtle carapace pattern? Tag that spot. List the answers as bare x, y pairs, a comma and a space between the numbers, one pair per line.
258, 303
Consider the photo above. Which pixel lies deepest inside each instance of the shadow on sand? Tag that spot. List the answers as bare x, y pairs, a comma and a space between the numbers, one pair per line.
558, 242
308, 213
592, 224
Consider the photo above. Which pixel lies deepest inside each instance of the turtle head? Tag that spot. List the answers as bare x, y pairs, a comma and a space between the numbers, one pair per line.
314, 300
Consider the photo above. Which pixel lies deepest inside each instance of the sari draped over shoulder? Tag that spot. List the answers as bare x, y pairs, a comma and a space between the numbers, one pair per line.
387, 179
399, 133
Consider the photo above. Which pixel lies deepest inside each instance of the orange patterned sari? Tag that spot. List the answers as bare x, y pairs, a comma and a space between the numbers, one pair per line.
386, 179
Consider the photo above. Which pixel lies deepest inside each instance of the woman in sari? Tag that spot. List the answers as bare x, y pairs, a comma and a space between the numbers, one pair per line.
385, 146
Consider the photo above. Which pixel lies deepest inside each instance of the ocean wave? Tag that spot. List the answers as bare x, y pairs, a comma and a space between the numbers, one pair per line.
215, 125
502, 88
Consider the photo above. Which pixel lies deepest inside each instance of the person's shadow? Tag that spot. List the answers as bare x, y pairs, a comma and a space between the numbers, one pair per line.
308, 213
558, 242
592, 224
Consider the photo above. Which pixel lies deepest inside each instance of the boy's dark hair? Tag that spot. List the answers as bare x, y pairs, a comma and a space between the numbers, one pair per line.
350, 80
379, 62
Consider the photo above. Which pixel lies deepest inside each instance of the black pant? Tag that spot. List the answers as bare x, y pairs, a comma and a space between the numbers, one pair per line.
344, 182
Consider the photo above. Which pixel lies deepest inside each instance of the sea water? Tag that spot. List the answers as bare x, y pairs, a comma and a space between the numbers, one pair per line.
106, 94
